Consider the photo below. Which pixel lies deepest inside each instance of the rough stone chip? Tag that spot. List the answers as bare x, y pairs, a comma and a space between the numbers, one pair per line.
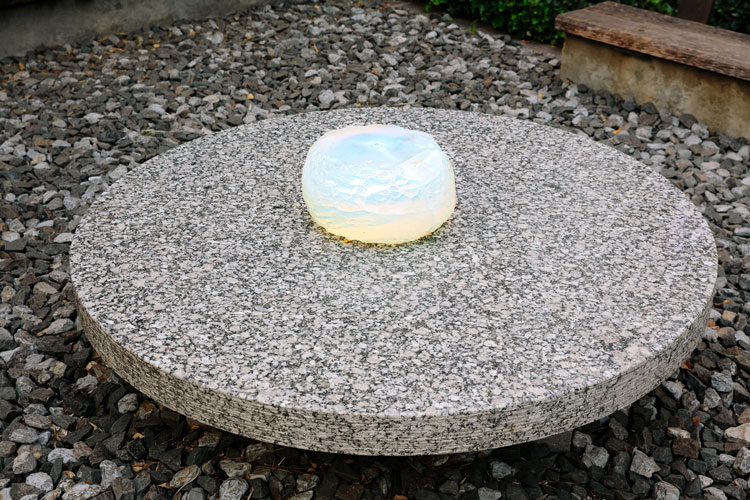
739, 434
643, 464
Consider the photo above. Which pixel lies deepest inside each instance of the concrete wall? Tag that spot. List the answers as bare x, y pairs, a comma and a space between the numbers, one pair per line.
24, 27
721, 102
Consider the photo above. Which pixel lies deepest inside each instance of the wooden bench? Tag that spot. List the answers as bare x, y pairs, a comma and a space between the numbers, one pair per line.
680, 65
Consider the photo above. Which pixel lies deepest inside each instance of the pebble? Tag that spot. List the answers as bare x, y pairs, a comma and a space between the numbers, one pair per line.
307, 495
128, 403
123, 489
7, 448
23, 435
93, 118
721, 382
711, 398
595, 456
235, 469
199, 494
109, 472
712, 493
184, 477
6, 340
52, 495
741, 464
739, 434
677, 432
59, 326
24, 463
82, 491
500, 470
488, 494
233, 489
676, 388
581, 440
65, 237
686, 447
44, 288
666, 491
643, 464
306, 482
86, 383
41, 481
66, 455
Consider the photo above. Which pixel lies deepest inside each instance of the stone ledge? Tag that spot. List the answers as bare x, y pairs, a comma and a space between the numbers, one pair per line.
717, 100
26, 26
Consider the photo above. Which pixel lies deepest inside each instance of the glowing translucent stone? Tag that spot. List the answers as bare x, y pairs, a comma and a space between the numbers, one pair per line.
378, 184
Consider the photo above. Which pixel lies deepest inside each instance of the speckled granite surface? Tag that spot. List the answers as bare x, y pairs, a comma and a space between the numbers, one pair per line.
569, 282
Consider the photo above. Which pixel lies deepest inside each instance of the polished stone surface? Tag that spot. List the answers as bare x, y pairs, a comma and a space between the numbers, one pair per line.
378, 184
569, 282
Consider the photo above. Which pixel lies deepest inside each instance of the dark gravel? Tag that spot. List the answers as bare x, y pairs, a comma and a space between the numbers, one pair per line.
74, 119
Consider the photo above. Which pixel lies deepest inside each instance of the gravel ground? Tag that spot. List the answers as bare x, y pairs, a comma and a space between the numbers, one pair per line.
74, 119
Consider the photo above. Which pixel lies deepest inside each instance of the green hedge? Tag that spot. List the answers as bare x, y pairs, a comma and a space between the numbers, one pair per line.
535, 19
731, 14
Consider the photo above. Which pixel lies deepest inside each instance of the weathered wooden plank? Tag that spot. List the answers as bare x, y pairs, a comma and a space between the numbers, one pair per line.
678, 40
695, 10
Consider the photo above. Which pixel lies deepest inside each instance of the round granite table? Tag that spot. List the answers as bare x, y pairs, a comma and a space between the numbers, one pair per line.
569, 282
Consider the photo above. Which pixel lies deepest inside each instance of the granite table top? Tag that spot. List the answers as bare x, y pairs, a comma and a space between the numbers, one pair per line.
569, 282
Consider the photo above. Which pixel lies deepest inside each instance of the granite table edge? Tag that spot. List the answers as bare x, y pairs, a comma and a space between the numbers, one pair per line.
363, 434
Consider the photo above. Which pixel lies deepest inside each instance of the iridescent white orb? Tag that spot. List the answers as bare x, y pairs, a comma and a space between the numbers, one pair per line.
378, 184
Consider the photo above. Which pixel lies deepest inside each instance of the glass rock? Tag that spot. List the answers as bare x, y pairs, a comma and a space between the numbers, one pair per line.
378, 184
